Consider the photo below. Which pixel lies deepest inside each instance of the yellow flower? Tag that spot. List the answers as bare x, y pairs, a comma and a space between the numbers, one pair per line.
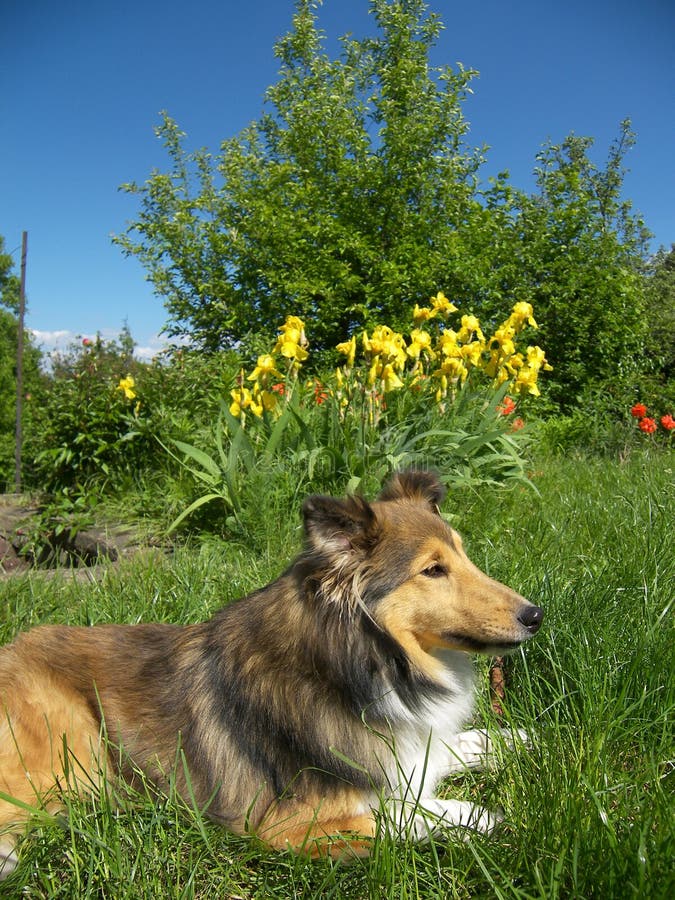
390, 380
420, 341
422, 313
514, 363
448, 343
537, 359
502, 376
526, 382
126, 385
241, 400
293, 330
502, 340
349, 350
270, 401
291, 350
441, 305
256, 406
386, 343
374, 371
472, 352
528, 373
264, 369
470, 326
292, 340
522, 312
453, 368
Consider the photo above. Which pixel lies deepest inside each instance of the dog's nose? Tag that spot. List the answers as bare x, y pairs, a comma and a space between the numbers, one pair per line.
531, 617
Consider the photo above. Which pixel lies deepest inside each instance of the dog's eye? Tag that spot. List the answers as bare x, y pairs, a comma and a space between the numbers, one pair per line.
435, 571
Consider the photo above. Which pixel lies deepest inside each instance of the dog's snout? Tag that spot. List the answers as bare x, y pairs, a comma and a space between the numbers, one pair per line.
531, 617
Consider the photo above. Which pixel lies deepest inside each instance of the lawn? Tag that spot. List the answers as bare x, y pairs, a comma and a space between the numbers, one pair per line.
588, 810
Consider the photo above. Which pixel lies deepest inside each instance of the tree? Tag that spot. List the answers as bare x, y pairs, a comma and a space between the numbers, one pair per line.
9, 331
660, 298
581, 253
347, 202
356, 196
9, 283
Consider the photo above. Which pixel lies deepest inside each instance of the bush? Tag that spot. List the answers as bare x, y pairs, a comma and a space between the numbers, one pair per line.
99, 414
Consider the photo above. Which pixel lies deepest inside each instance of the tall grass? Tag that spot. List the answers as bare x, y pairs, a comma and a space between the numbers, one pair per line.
588, 810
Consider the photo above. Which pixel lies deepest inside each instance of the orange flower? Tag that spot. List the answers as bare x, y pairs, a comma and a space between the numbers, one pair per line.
638, 411
320, 395
668, 422
647, 425
506, 407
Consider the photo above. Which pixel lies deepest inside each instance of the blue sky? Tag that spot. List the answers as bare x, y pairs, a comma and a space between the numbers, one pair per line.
82, 83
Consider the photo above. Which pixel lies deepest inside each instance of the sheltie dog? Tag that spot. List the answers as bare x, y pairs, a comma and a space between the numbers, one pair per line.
313, 713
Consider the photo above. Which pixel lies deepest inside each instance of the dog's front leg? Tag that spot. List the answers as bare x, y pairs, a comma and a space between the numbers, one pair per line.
476, 750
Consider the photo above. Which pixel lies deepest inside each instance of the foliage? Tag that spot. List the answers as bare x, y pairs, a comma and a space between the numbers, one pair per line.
47, 539
348, 198
99, 411
9, 304
82, 430
660, 303
580, 253
437, 401
9, 283
356, 195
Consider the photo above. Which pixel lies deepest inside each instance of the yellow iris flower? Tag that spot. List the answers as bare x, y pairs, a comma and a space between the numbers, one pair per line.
390, 380
349, 350
441, 305
522, 312
127, 385
422, 314
420, 341
264, 369
470, 327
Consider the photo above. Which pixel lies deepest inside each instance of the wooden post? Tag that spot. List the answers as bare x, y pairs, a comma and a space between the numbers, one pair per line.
19, 367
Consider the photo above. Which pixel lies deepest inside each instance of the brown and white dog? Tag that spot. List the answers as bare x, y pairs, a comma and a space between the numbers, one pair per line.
295, 710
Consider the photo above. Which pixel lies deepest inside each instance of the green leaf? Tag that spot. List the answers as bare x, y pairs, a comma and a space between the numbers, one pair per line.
200, 501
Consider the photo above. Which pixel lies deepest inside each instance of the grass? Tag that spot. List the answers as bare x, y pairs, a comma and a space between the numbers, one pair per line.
588, 811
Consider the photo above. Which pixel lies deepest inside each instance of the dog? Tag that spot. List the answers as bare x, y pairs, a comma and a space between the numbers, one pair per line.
313, 713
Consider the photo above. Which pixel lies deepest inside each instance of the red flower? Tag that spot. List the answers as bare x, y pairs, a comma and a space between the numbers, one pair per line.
638, 411
668, 422
507, 406
517, 424
647, 425
279, 388
320, 396
86, 342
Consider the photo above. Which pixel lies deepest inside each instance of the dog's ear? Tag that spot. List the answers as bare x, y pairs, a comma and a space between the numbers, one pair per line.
423, 486
339, 526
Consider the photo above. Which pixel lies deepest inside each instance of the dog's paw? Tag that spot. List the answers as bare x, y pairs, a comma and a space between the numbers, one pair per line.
469, 750
517, 738
476, 749
463, 814
432, 817
8, 860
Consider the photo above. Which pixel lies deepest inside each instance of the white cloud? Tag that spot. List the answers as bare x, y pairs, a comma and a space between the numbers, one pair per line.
51, 340
60, 340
